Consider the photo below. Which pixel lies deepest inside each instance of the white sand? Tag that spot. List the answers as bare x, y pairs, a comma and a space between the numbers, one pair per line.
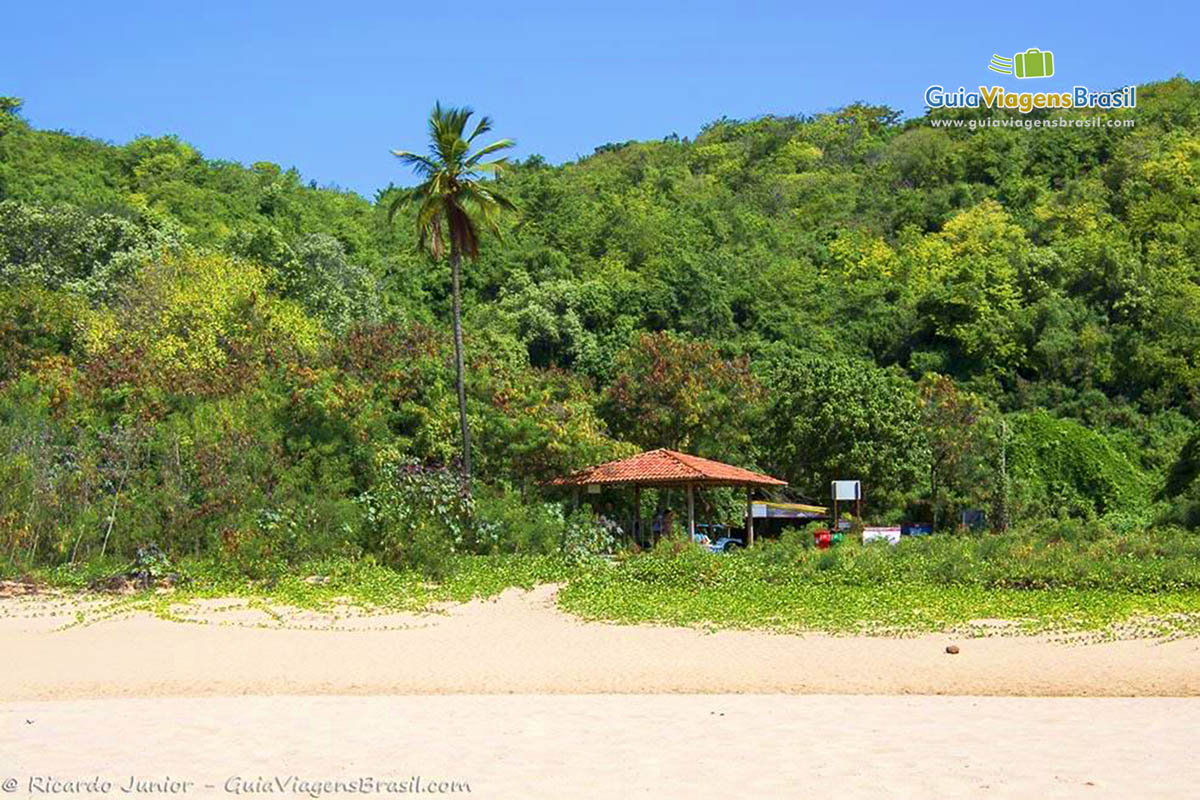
622, 746
521, 643
537, 704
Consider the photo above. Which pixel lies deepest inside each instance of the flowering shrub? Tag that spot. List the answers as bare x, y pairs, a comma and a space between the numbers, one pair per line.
418, 516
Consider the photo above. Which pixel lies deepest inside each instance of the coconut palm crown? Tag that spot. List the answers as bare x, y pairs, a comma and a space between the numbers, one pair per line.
454, 198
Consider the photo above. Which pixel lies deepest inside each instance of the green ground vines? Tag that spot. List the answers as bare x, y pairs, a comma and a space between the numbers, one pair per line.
1066, 578
321, 585
1062, 578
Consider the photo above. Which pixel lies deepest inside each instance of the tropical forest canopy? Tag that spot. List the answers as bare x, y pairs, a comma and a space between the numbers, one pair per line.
224, 358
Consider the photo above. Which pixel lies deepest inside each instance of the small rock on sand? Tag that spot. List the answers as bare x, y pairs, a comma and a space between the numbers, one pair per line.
952, 649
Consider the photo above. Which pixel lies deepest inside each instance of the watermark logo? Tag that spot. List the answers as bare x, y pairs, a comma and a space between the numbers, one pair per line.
1033, 63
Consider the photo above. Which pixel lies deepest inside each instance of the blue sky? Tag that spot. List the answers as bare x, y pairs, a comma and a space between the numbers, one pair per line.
329, 88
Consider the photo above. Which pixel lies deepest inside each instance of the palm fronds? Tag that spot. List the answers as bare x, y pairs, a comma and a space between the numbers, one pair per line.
458, 192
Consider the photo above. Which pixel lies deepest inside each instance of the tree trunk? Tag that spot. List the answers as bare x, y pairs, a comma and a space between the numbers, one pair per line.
459, 380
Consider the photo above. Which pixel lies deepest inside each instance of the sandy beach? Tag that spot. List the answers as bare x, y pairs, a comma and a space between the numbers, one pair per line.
510, 697
521, 643
619, 746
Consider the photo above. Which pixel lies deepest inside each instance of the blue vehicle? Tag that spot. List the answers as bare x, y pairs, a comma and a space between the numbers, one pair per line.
716, 538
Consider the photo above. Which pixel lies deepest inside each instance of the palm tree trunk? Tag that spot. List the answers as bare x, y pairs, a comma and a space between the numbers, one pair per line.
460, 383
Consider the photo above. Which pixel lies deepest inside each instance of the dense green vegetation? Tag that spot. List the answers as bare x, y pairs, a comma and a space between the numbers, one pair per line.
238, 366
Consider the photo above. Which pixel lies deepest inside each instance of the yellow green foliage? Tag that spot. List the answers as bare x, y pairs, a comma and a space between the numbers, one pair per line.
191, 313
858, 255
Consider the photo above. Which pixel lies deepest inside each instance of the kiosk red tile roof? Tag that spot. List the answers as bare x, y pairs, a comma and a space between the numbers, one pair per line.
666, 467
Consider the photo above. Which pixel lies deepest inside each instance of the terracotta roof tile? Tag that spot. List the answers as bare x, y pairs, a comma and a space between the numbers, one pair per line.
667, 467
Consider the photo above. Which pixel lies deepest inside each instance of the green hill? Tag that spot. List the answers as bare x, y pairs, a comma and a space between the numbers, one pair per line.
1049, 268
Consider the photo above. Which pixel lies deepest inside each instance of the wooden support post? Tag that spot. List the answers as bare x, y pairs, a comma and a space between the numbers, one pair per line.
749, 517
637, 514
691, 529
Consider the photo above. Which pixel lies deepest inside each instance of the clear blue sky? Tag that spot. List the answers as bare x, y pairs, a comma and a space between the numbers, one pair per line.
329, 88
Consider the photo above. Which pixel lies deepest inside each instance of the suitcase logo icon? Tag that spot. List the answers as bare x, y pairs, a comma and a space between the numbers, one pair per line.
1033, 63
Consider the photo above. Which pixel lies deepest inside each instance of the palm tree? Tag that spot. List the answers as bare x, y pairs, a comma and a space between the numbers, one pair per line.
453, 201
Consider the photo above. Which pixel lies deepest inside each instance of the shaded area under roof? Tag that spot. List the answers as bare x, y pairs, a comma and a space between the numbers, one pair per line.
666, 468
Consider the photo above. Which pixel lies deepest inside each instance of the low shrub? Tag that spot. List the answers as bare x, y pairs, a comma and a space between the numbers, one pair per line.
586, 536
506, 522
417, 516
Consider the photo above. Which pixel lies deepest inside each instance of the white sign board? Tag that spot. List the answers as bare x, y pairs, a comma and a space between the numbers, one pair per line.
890, 534
847, 490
